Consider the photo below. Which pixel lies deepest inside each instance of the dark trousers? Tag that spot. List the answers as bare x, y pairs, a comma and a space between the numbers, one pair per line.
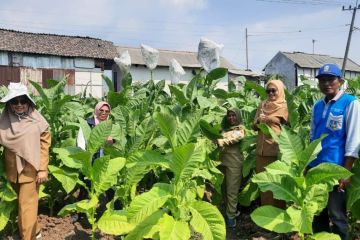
336, 213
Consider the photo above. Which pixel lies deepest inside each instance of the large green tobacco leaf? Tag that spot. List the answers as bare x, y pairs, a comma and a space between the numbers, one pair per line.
64, 155
248, 194
186, 160
67, 179
144, 134
85, 157
133, 122
327, 173
7, 193
211, 132
316, 198
324, 236
310, 153
301, 219
42, 93
187, 130
249, 163
147, 203
221, 93
5, 210
172, 229
283, 186
85, 128
353, 191
98, 136
279, 167
273, 219
147, 158
167, 125
293, 109
179, 95
215, 74
105, 171
86, 205
191, 89
207, 220
141, 162
83, 206
115, 223
149, 225
250, 85
207, 102
290, 145
126, 81
118, 99
108, 82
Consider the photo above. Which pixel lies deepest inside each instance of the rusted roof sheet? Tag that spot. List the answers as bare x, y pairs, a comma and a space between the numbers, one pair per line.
185, 58
306, 60
58, 45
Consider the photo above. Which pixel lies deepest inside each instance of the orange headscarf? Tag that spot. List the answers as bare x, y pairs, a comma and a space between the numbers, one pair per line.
275, 107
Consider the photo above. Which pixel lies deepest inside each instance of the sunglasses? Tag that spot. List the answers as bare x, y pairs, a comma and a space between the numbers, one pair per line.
271, 90
104, 111
16, 101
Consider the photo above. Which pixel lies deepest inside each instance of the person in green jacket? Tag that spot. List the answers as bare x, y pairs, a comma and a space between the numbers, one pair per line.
231, 162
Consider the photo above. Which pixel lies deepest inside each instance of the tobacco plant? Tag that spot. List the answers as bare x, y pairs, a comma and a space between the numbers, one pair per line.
170, 210
101, 172
306, 194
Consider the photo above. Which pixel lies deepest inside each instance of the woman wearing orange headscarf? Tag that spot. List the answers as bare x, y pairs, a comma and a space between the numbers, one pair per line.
273, 112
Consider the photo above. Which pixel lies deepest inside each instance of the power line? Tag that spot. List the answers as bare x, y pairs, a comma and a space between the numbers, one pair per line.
304, 2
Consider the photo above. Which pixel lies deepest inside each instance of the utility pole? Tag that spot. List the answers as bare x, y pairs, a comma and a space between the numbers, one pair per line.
247, 53
350, 33
313, 43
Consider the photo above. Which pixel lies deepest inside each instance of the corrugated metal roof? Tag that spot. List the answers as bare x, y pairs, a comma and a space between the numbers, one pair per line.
185, 58
58, 45
307, 60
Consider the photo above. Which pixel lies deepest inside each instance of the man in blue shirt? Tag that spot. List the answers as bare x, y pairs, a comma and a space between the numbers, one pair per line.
337, 115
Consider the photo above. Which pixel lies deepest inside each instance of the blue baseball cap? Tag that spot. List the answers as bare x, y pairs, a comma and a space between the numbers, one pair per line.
329, 70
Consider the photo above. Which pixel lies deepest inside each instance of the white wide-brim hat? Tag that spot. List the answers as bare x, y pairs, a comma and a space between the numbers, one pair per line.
16, 89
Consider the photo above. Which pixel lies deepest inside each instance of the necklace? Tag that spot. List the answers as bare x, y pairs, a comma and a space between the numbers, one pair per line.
20, 115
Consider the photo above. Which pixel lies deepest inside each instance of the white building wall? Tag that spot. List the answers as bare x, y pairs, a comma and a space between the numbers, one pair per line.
91, 81
142, 74
284, 67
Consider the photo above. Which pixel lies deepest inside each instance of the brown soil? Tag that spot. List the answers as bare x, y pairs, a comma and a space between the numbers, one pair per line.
55, 228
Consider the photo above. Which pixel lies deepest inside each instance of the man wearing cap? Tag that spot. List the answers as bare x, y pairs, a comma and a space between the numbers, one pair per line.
337, 115
25, 135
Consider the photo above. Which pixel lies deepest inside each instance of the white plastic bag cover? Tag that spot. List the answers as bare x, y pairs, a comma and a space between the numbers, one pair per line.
150, 56
123, 62
80, 141
209, 54
176, 71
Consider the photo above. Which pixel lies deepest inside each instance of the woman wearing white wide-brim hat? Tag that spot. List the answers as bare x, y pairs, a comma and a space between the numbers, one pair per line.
26, 139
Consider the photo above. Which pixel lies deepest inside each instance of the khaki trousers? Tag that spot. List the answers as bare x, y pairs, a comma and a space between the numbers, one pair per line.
267, 198
28, 198
230, 188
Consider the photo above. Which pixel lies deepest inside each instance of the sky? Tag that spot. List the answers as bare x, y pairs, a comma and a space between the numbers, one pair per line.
272, 25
